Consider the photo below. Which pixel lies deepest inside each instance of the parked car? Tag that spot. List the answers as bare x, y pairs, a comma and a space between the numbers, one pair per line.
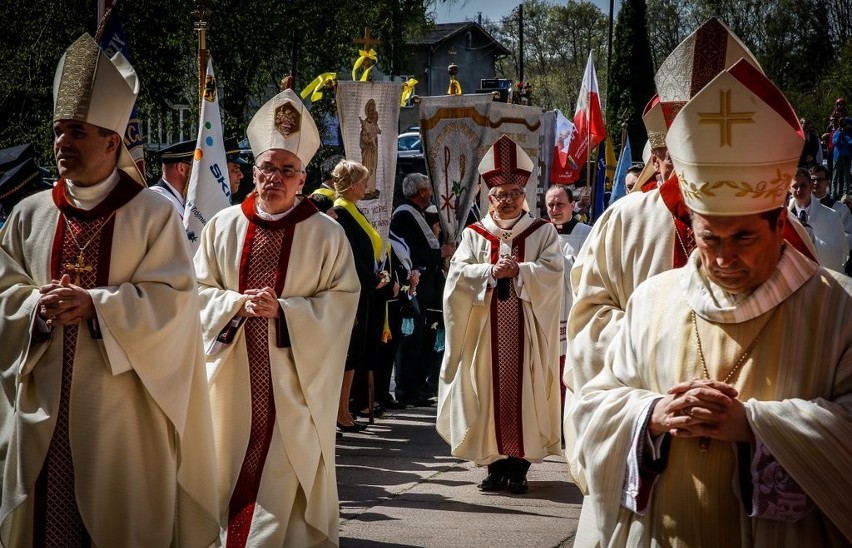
408, 145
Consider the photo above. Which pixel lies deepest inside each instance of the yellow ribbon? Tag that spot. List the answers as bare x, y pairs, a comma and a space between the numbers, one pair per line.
363, 56
455, 87
407, 90
386, 330
315, 88
365, 225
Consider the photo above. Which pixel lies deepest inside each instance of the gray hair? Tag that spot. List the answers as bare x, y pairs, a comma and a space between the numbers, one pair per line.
414, 183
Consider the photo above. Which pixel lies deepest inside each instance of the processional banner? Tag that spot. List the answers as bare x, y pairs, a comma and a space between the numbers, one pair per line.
369, 119
456, 132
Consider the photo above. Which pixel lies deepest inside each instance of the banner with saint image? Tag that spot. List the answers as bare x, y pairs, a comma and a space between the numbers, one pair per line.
369, 119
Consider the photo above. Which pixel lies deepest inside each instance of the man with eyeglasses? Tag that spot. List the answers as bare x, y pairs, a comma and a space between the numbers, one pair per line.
498, 394
821, 177
274, 278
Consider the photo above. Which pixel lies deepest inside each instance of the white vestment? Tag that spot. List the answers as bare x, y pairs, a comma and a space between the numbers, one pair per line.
140, 429
796, 385
829, 237
633, 240
297, 502
570, 244
469, 408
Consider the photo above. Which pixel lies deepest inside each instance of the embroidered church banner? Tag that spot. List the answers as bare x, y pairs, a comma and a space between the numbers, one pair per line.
369, 119
456, 132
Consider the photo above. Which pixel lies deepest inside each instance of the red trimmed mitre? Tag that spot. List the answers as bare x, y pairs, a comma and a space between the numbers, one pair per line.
505, 163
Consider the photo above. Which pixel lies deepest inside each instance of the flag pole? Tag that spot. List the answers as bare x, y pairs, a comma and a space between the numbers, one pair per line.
103, 22
588, 127
202, 13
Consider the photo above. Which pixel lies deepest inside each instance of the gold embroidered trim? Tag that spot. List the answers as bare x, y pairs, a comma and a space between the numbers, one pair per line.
774, 188
74, 93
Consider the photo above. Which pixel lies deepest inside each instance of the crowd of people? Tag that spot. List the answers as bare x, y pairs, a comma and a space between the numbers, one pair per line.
689, 355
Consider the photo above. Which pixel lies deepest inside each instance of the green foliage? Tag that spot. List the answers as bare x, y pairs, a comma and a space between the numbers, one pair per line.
557, 42
254, 43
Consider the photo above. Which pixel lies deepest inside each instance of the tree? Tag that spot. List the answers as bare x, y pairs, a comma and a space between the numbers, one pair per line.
557, 42
631, 79
254, 43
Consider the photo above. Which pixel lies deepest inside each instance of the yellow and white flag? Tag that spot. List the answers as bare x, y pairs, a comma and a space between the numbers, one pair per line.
209, 190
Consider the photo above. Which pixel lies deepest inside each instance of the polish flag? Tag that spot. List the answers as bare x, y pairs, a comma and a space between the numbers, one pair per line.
572, 151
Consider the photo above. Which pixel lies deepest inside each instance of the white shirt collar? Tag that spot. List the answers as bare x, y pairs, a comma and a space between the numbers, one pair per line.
87, 197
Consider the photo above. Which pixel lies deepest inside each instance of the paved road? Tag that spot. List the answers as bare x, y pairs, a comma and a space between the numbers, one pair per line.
400, 487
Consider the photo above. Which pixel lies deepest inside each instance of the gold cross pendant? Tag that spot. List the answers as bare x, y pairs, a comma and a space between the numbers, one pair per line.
78, 268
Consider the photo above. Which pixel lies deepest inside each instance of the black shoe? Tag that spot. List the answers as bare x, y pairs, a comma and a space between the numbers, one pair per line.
393, 404
492, 482
354, 427
518, 486
418, 402
339, 433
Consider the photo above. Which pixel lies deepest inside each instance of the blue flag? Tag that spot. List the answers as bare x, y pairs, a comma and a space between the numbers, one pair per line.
598, 202
619, 184
112, 42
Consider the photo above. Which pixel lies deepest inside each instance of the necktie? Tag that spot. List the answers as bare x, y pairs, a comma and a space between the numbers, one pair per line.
803, 216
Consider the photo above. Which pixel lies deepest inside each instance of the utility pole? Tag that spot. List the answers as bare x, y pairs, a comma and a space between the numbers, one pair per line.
521, 42
609, 41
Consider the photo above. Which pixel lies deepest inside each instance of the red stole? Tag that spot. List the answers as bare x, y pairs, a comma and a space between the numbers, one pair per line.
266, 255
507, 350
81, 248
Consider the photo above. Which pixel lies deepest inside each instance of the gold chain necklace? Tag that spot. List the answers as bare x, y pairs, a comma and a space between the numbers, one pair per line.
686, 251
80, 266
704, 441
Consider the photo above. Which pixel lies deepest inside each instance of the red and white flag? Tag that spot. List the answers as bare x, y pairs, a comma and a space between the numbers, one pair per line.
573, 141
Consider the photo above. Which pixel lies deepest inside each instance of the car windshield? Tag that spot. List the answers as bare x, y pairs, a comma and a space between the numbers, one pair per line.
408, 142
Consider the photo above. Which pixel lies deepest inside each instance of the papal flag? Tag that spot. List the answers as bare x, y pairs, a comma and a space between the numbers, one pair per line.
369, 122
456, 132
209, 190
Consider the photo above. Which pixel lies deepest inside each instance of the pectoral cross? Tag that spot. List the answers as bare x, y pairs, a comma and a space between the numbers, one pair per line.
78, 268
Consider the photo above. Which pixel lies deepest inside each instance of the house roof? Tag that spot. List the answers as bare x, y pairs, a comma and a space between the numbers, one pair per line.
443, 32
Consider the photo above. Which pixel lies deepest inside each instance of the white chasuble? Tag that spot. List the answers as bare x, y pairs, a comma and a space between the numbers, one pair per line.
118, 402
796, 385
498, 393
293, 501
640, 236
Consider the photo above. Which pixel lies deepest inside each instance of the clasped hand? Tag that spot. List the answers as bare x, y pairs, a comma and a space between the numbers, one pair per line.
62, 303
260, 303
505, 267
701, 408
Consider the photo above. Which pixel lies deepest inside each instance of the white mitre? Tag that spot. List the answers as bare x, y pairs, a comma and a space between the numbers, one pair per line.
736, 144
284, 123
90, 87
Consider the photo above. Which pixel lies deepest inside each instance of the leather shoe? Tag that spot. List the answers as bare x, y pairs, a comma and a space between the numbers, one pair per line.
492, 482
518, 486
393, 404
354, 427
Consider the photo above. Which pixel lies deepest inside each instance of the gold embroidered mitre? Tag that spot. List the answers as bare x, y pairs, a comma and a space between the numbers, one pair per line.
736, 144
90, 87
655, 123
702, 55
284, 123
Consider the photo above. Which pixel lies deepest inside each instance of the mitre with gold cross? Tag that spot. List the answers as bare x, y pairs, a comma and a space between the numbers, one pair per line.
735, 145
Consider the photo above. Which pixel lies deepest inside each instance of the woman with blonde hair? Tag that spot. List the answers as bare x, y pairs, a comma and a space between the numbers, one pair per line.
350, 183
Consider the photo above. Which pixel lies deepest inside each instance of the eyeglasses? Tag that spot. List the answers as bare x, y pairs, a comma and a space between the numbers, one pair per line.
508, 196
287, 172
